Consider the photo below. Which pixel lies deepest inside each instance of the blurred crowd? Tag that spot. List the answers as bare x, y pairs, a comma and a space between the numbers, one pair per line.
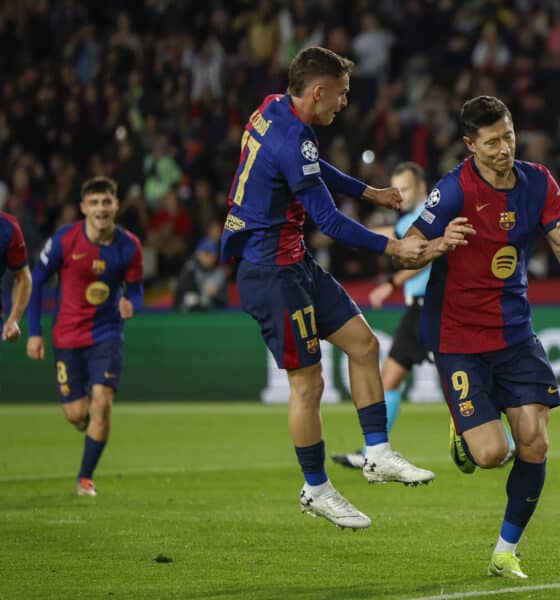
155, 94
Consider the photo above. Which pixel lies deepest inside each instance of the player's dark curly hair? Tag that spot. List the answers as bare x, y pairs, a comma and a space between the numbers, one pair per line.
481, 111
99, 185
313, 62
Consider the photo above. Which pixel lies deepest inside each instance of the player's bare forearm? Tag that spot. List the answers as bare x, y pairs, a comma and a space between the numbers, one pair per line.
21, 293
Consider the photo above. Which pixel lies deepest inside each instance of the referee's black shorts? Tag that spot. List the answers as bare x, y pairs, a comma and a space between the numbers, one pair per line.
407, 349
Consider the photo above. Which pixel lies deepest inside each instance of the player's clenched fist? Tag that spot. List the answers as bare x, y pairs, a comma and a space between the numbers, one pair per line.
408, 251
125, 308
36, 347
11, 331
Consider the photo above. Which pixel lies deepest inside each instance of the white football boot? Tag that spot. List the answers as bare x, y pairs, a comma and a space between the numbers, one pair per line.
334, 507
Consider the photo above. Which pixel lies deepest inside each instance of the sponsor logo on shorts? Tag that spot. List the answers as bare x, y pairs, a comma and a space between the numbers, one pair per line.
552, 389
466, 408
109, 375
65, 389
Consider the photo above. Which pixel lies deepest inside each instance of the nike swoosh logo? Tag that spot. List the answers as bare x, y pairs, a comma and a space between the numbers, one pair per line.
531, 499
456, 457
479, 207
78, 256
109, 375
552, 390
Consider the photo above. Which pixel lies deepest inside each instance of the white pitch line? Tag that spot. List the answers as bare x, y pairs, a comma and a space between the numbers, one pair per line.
513, 590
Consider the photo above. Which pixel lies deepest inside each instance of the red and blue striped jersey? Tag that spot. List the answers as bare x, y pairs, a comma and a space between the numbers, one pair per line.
279, 158
91, 278
13, 254
476, 299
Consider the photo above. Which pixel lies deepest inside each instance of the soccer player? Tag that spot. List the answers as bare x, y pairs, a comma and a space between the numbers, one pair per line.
13, 255
99, 266
279, 180
476, 318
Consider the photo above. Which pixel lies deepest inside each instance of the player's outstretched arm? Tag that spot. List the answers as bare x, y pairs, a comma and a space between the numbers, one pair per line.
388, 197
381, 292
20, 298
36, 347
340, 183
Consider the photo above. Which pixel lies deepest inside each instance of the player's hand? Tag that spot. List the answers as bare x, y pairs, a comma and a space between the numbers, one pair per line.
455, 233
379, 294
36, 347
125, 308
407, 251
11, 331
387, 197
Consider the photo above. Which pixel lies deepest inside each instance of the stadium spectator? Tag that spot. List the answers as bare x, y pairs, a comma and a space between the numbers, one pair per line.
202, 283
93, 259
77, 75
295, 302
168, 233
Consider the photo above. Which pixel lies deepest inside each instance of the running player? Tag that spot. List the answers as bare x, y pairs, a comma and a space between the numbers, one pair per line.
476, 317
99, 265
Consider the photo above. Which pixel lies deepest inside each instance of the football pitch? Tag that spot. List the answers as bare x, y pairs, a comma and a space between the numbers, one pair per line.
201, 501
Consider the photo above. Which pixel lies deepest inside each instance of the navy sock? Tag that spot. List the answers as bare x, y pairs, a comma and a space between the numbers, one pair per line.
312, 462
90, 458
373, 419
524, 486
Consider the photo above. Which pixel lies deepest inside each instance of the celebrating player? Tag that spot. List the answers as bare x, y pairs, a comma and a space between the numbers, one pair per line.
94, 259
476, 317
13, 255
279, 179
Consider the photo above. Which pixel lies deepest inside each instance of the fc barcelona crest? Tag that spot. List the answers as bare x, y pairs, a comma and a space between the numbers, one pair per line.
98, 266
312, 345
507, 220
466, 408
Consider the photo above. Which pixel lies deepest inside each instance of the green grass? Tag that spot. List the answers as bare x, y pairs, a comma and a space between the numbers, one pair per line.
215, 487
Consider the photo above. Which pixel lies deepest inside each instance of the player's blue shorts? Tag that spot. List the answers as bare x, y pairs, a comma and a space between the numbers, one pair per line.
295, 306
79, 368
478, 387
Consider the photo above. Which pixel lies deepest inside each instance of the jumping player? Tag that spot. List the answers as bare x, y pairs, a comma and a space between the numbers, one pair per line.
99, 265
279, 180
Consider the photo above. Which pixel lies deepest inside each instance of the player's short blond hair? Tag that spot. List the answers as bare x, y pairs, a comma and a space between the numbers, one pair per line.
314, 62
99, 185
